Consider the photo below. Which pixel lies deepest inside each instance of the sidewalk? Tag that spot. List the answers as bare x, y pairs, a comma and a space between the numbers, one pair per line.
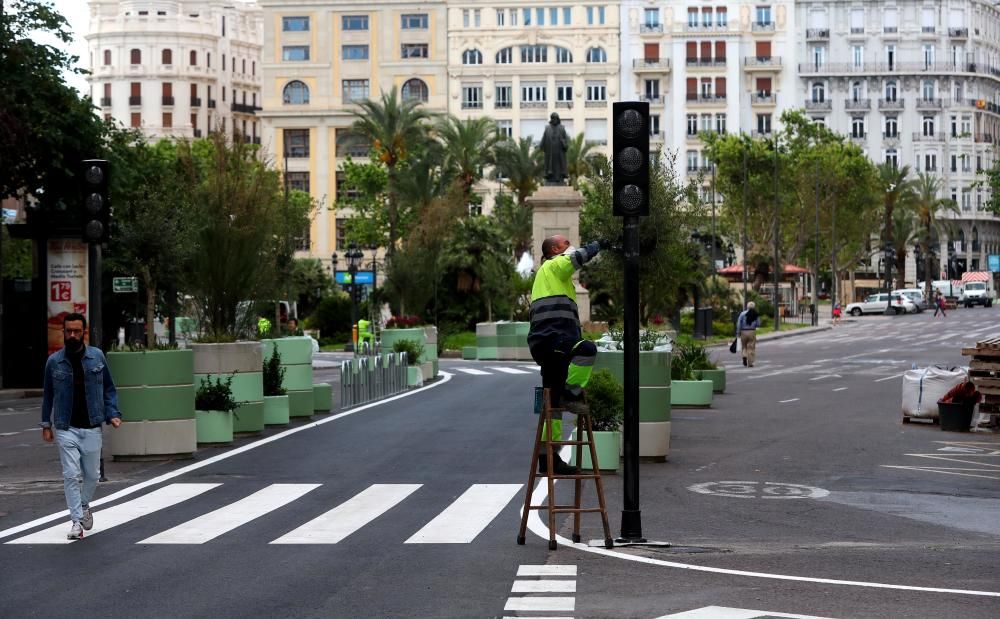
825, 324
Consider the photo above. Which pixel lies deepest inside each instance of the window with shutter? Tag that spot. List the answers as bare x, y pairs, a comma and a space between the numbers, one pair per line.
764, 86
706, 51
763, 50
720, 87
720, 51
692, 50
651, 51
692, 88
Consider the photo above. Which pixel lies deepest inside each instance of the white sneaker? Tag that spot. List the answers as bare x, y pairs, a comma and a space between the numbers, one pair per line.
87, 522
75, 532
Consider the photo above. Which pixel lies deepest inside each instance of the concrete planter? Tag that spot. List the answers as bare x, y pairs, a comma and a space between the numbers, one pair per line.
427, 370
417, 334
214, 426
243, 361
275, 410
322, 398
430, 354
718, 378
414, 376
296, 358
607, 445
694, 393
156, 398
655, 391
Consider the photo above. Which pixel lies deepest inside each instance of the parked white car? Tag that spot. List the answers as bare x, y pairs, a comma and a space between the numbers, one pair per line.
876, 304
916, 295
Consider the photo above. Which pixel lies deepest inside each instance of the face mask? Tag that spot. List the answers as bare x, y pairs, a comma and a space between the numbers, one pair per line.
569, 250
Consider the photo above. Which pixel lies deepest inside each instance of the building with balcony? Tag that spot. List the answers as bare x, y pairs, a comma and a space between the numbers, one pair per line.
177, 69
321, 59
917, 84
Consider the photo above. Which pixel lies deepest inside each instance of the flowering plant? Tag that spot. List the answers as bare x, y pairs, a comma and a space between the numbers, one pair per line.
403, 322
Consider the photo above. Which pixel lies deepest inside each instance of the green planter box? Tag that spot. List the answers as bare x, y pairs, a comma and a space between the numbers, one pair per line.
214, 426
718, 378
469, 353
244, 362
300, 403
607, 446
275, 410
391, 336
414, 376
249, 418
322, 398
695, 393
654, 381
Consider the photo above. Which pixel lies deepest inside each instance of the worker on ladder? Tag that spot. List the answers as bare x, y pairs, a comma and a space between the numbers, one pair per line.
555, 338
366, 334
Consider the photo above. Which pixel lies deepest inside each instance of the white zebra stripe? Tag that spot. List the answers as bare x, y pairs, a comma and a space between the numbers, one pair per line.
473, 372
464, 519
508, 370
348, 517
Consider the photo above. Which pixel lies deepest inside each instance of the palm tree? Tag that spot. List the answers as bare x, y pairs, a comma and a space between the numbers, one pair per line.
926, 204
521, 164
898, 191
468, 148
906, 229
393, 127
579, 159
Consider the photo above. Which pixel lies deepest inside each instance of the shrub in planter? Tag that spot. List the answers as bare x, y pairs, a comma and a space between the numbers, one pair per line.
606, 398
274, 375
680, 369
412, 348
694, 356
214, 405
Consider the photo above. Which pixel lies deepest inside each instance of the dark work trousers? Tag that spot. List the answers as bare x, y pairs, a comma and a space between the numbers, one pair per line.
566, 363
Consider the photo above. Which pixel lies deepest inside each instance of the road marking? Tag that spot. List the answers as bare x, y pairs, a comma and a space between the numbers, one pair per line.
841, 389
120, 514
946, 471
766, 375
541, 529
546, 570
508, 370
2, 434
758, 490
348, 517
721, 612
787, 401
445, 378
225, 519
887, 378
540, 603
822, 376
473, 372
544, 586
464, 519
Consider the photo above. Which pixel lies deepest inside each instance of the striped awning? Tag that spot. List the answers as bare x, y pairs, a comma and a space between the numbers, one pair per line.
975, 276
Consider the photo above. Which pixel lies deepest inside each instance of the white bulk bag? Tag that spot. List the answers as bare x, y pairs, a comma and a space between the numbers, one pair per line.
923, 388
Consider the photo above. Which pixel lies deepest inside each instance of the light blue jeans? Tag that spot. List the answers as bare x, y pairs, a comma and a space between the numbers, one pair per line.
80, 455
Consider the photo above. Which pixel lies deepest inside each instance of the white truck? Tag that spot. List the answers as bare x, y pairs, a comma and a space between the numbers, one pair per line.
948, 288
978, 289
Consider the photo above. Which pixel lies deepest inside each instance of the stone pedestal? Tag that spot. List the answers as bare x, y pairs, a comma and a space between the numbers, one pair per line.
556, 210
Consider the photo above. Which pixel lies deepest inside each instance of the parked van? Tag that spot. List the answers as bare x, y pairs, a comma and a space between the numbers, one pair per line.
950, 288
978, 290
914, 294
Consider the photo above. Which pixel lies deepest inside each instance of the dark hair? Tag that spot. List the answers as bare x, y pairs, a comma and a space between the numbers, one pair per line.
75, 316
547, 246
293, 319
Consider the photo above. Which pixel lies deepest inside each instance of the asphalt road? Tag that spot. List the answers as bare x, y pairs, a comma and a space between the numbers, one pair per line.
425, 494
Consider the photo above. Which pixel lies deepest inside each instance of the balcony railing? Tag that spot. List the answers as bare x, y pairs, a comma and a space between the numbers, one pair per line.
703, 98
195, 102
890, 135
958, 33
167, 100
819, 105
652, 98
857, 104
649, 28
243, 108
564, 104
927, 29
503, 105
651, 63
761, 99
211, 103
919, 136
929, 104
890, 29
472, 105
534, 104
706, 62
762, 61
890, 104
859, 136
762, 26
105, 101
135, 100
761, 133
857, 29
596, 103
818, 33
984, 138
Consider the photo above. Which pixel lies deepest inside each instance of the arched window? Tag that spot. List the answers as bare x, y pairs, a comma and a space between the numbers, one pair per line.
927, 90
135, 57
472, 56
295, 93
416, 90
107, 57
505, 56
563, 55
818, 92
890, 91
856, 91
597, 54
166, 57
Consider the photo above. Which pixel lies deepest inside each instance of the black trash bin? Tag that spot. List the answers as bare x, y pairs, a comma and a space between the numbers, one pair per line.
956, 416
703, 322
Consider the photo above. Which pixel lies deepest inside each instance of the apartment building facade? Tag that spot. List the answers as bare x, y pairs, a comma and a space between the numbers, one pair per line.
321, 59
913, 83
177, 69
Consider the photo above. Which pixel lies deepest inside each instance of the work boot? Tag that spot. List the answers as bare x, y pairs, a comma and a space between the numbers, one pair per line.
576, 404
744, 361
561, 468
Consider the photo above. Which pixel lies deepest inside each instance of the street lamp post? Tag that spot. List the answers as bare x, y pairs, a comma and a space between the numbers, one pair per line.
815, 290
354, 257
746, 270
888, 259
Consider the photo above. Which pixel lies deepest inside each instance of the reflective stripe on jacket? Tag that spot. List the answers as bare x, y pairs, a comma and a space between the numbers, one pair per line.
553, 296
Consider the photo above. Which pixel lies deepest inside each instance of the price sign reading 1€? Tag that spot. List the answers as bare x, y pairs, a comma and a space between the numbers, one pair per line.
61, 292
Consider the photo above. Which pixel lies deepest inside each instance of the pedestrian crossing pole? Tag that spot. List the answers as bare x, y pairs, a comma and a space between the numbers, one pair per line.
630, 197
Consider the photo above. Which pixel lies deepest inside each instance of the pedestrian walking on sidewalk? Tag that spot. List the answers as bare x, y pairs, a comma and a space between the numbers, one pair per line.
746, 330
836, 313
78, 396
939, 305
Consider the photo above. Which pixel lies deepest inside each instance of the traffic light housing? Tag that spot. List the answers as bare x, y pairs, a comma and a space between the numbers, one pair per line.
96, 203
630, 158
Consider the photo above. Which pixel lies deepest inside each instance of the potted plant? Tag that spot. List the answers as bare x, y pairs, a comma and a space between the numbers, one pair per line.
214, 405
606, 398
685, 388
703, 366
275, 395
413, 349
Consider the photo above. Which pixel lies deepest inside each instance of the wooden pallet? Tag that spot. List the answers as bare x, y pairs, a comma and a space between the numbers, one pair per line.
984, 372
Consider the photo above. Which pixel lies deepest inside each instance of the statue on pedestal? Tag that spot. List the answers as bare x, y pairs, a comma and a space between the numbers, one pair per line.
555, 143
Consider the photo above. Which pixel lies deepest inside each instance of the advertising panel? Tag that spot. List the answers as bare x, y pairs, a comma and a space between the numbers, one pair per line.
67, 285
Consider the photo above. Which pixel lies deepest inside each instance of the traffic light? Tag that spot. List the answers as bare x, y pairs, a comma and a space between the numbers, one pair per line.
96, 205
630, 157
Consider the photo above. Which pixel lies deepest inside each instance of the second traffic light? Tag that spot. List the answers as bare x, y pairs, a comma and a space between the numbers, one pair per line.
96, 203
630, 158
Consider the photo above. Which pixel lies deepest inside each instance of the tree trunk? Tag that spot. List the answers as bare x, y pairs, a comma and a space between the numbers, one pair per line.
150, 309
393, 209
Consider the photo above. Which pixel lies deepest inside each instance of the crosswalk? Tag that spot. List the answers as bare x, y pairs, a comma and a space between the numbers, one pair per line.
543, 589
491, 370
460, 522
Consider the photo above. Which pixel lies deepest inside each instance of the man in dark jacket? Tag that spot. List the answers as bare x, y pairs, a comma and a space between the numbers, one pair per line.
555, 338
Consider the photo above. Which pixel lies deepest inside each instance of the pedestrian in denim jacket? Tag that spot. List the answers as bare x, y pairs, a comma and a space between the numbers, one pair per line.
78, 396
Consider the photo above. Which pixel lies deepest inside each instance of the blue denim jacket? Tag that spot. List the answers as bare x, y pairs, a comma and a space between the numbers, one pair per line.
57, 389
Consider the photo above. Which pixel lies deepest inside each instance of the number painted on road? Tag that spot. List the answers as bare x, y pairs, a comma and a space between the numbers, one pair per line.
759, 490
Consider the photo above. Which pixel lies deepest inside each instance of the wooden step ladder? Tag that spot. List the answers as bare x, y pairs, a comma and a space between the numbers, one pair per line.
583, 425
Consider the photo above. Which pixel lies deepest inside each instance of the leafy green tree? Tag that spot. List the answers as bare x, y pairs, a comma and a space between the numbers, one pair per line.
468, 148
394, 127
16, 256
514, 221
472, 258
311, 282
520, 166
927, 206
905, 230
581, 160
46, 128
898, 192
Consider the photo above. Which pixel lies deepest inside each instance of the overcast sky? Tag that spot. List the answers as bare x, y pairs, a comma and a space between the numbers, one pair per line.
76, 12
